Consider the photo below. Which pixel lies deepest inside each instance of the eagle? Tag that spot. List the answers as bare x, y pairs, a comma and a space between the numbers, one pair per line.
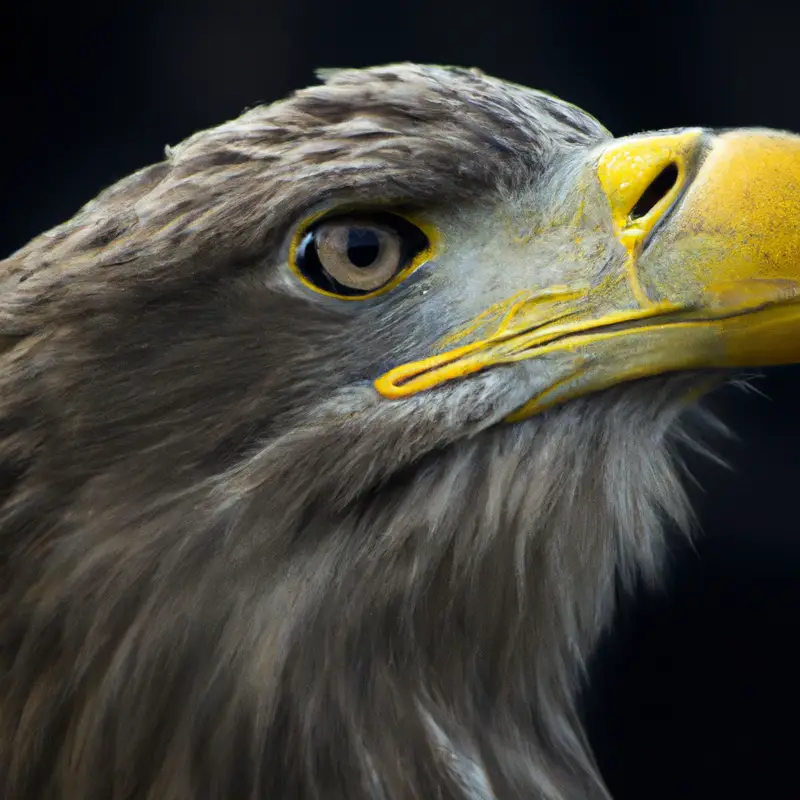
328, 441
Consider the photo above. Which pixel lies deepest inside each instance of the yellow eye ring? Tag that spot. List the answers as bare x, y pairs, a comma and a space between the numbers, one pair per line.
415, 240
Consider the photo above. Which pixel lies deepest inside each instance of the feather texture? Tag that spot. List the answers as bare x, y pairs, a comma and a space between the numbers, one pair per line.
230, 569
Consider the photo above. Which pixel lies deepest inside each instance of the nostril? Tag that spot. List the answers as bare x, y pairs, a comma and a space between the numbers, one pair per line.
658, 189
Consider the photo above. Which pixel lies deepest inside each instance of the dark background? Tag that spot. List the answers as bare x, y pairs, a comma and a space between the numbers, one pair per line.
696, 692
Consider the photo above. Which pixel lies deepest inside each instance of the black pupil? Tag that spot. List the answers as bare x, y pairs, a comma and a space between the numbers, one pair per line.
363, 247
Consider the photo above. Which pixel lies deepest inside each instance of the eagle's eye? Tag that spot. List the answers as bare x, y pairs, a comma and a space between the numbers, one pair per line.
358, 256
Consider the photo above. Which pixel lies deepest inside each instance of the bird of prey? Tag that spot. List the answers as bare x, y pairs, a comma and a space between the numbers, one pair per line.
326, 440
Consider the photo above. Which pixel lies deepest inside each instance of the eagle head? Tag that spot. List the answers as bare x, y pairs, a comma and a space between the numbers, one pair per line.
325, 441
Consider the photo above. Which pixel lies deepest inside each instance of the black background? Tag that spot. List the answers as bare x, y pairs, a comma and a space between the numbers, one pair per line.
696, 693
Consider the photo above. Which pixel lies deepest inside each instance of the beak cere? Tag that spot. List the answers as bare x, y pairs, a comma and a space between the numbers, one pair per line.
708, 230
642, 179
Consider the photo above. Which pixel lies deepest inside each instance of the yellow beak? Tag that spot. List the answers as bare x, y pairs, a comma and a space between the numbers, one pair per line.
710, 230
